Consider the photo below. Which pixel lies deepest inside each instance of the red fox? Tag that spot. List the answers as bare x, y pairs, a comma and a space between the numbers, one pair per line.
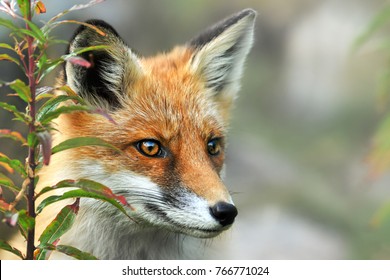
171, 113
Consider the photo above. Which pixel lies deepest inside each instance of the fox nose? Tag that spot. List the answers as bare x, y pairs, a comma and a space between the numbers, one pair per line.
224, 213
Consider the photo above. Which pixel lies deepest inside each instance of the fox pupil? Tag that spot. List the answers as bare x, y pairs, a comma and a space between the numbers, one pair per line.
214, 147
149, 148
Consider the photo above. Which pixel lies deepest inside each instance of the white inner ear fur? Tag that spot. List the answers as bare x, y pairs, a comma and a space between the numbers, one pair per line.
213, 61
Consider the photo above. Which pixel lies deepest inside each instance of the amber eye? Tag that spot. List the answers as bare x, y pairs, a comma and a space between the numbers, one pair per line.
214, 147
150, 148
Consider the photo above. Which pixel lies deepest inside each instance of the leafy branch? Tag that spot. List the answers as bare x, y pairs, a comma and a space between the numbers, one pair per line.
29, 53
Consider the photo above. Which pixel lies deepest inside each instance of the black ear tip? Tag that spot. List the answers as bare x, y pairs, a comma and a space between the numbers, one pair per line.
247, 12
215, 30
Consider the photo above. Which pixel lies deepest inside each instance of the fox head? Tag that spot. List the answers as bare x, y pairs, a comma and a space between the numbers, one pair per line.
171, 113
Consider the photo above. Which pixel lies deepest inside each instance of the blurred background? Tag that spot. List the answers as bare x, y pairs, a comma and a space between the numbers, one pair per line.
303, 128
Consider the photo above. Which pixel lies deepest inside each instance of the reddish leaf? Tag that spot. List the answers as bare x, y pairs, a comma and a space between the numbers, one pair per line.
78, 60
6, 167
4, 206
13, 135
89, 186
82, 193
5, 246
69, 251
21, 89
25, 222
13, 164
59, 226
40, 8
46, 143
104, 113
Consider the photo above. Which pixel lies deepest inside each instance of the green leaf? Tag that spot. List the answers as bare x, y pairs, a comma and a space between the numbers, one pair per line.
9, 58
38, 34
378, 158
86, 49
69, 251
21, 89
19, 116
14, 164
81, 193
14, 135
7, 247
8, 24
24, 7
378, 22
6, 46
82, 142
53, 103
25, 223
58, 227
46, 67
8, 183
382, 214
87, 185
48, 117
32, 140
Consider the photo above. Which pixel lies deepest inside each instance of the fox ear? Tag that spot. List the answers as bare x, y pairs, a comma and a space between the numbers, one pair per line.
221, 50
111, 69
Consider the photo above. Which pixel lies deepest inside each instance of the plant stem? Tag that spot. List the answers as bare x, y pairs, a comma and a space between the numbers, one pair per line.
31, 151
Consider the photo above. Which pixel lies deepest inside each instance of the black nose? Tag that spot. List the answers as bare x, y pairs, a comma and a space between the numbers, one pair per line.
224, 213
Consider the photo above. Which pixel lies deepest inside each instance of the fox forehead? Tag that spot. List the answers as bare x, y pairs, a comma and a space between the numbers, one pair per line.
168, 99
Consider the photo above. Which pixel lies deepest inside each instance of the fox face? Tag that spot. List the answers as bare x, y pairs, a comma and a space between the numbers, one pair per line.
171, 114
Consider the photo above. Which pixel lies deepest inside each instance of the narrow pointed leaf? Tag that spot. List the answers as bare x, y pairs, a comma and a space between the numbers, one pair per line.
47, 118
53, 103
73, 8
14, 164
8, 24
19, 116
22, 90
9, 58
32, 140
38, 34
25, 222
6, 46
46, 143
59, 226
82, 142
14, 135
55, 24
87, 185
8, 184
70, 251
79, 193
7, 247
6, 167
24, 7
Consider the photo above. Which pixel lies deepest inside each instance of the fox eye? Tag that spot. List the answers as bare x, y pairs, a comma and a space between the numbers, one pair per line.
214, 147
150, 148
